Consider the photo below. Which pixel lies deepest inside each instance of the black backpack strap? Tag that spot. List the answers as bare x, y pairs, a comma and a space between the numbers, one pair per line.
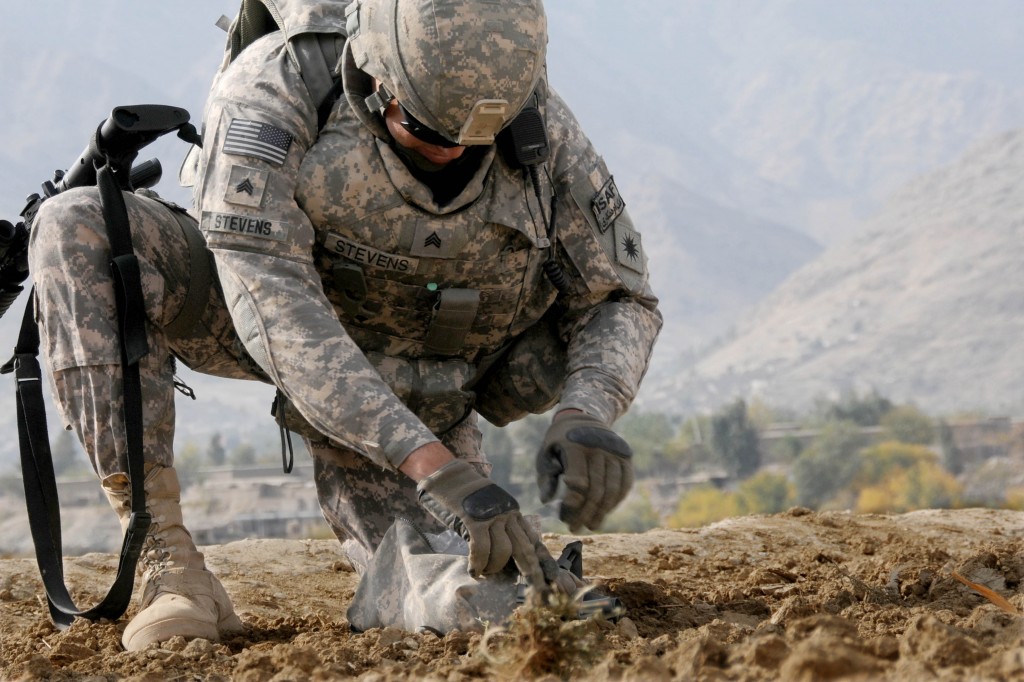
41, 496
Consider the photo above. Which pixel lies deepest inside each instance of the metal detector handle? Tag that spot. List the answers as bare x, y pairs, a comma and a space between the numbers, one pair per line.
119, 138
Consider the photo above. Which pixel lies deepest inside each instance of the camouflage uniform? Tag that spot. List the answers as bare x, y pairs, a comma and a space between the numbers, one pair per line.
335, 270
362, 373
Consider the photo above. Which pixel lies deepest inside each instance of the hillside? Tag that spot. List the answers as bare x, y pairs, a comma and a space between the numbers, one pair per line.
796, 596
924, 304
743, 135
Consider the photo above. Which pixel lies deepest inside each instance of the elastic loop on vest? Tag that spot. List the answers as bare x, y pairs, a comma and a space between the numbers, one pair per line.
200, 280
453, 318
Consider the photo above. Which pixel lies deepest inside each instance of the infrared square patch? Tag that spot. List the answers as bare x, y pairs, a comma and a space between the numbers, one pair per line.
629, 250
246, 186
607, 205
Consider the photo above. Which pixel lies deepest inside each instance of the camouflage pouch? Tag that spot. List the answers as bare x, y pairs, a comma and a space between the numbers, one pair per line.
527, 379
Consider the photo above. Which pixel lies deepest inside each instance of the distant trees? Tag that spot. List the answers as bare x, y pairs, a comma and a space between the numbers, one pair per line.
908, 424
860, 452
866, 410
735, 441
829, 464
215, 452
898, 477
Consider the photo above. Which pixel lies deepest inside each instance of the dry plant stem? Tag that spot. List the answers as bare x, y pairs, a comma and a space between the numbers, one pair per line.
991, 595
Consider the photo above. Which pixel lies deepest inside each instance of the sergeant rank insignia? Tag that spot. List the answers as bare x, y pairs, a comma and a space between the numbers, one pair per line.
245, 186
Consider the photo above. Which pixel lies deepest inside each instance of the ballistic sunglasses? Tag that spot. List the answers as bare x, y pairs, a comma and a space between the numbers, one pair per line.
422, 132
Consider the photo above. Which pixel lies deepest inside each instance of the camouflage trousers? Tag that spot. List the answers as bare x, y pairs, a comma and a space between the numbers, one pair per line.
75, 309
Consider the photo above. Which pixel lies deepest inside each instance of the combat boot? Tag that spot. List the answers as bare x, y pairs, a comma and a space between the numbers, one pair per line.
180, 596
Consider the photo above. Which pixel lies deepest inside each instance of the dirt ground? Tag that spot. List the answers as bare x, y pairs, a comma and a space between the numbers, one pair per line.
795, 596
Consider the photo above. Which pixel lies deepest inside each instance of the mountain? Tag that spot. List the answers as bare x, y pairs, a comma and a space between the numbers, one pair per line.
924, 304
742, 135
709, 262
826, 106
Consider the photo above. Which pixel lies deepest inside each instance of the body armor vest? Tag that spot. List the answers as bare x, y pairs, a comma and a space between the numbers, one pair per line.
431, 294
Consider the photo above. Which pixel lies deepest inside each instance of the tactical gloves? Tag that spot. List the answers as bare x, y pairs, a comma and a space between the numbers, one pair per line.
485, 515
593, 461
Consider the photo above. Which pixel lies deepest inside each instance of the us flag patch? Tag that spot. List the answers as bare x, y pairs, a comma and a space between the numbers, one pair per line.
258, 140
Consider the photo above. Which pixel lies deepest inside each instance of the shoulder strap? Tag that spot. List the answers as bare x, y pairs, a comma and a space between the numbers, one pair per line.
318, 55
316, 52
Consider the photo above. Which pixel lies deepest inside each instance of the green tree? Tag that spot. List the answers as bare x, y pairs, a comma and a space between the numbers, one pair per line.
908, 424
647, 434
863, 411
888, 459
829, 463
924, 485
952, 456
635, 515
242, 455
188, 461
702, 506
216, 452
734, 439
765, 493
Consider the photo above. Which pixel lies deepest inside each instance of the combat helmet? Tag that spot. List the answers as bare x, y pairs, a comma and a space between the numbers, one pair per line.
463, 68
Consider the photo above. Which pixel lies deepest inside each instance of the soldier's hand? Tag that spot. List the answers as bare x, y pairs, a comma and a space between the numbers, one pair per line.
595, 464
488, 518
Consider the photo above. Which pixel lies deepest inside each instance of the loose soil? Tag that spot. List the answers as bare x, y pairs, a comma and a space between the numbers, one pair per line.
794, 596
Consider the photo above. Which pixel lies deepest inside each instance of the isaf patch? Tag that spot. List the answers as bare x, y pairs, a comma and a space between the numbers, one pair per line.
246, 186
607, 205
257, 140
629, 251
249, 226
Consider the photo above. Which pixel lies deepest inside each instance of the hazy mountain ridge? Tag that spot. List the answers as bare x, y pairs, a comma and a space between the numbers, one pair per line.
727, 124
870, 124
691, 241
924, 304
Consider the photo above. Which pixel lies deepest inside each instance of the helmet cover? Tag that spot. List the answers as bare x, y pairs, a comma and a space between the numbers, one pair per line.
464, 68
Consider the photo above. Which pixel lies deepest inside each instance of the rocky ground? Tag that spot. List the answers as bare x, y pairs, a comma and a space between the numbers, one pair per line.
795, 596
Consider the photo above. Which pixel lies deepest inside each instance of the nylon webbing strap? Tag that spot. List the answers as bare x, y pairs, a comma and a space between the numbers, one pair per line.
40, 483
200, 280
454, 313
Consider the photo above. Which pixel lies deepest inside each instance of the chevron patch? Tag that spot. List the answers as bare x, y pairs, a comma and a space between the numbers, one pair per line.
245, 186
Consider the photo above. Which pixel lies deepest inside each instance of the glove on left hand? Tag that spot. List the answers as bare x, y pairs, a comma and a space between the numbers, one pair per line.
595, 463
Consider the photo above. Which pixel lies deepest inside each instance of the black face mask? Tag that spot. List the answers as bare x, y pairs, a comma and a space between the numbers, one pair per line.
416, 161
445, 181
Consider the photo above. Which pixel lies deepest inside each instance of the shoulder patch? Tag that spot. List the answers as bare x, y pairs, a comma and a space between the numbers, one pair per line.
245, 186
257, 140
250, 226
607, 205
629, 252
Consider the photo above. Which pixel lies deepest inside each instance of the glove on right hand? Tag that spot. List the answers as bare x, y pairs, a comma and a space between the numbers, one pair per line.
485, 515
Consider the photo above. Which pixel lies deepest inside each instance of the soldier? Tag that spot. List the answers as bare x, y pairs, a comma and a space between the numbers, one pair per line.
394, 274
